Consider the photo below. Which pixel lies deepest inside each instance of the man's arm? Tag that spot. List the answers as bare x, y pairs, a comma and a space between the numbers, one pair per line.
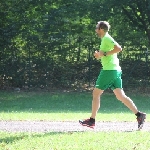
99, 54
117, 49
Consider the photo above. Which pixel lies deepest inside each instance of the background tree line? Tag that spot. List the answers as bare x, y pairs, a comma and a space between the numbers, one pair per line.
47, 43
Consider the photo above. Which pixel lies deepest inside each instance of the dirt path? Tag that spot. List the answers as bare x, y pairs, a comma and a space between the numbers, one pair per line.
68, 126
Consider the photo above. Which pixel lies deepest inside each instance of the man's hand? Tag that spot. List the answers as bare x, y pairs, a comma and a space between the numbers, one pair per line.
98, 54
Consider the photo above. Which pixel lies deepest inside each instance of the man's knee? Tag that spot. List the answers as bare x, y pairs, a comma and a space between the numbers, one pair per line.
122, 97
97, 93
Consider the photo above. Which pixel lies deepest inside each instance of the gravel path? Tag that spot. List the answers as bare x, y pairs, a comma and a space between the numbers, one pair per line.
68, 126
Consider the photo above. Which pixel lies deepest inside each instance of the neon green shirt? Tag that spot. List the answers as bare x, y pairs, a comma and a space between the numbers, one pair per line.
110, 62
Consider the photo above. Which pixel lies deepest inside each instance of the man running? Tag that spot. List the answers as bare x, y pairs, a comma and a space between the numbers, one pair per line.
110, 76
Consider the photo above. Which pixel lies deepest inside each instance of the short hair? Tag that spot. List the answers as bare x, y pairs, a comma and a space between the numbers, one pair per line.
104, 25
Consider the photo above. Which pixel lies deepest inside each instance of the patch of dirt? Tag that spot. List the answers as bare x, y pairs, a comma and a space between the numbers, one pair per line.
68, 126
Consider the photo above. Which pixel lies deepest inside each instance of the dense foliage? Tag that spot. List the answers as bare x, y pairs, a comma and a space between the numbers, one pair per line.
49, 43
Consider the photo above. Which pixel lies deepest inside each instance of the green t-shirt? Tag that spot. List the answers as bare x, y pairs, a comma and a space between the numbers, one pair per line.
110, 62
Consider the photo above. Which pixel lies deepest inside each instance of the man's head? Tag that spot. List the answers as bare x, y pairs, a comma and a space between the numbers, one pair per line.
102, 27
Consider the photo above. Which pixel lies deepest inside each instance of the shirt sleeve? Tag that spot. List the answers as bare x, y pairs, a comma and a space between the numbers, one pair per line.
108, 44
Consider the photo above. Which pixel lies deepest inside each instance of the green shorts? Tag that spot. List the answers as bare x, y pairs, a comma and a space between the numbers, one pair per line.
109, 79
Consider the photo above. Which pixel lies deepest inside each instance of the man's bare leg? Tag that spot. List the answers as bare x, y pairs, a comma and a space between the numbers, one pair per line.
120, 95
95, 107
130, 104
96, 101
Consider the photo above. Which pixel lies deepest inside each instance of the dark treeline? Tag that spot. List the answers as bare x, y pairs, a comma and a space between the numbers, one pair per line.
50, 44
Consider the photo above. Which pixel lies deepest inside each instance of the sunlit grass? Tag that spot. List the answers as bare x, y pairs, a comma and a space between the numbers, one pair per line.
70, 107
75, 140
66, 106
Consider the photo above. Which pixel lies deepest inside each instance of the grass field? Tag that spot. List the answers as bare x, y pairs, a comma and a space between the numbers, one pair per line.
66, 107
76, 140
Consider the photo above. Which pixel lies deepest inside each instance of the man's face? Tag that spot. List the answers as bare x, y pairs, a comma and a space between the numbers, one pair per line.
97, 30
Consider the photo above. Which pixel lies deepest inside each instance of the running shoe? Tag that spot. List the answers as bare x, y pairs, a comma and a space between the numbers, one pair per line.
141, 120
87, 123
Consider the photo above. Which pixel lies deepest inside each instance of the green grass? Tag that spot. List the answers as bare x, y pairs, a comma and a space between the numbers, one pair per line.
66, 107
75, 141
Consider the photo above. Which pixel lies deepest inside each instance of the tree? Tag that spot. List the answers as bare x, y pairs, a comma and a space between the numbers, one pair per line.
135, 12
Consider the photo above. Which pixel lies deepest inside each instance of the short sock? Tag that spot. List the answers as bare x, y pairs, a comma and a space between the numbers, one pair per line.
138, 114
92, 120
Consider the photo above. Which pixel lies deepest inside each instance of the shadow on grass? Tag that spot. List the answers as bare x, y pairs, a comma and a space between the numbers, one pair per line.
14, 137
65, 102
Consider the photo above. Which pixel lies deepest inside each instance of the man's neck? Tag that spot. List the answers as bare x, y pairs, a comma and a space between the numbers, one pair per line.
103, 34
